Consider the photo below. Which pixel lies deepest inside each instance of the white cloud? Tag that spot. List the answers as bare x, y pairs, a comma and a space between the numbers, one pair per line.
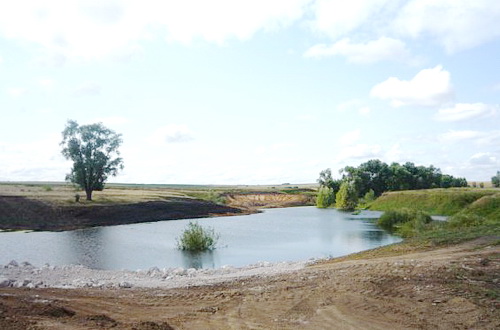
364, 111
350, 138
96, 28
273, 148
466, 111
339, 18
484, 158
358, 151
112, 121
354, 106
382, 49
171, 134
455, 24
459, 136
87, 89
39, 160
16, 92
429, 87
351, 149
489, 139
92, 29
46, 83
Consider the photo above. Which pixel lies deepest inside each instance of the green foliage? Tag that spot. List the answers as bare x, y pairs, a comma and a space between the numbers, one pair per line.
47, 187
495, 180
487, 207
215, 197
325, 198
380, 177
369, 196
196, 238
405, 222
325, 180
465, 221
93, 150
347, 196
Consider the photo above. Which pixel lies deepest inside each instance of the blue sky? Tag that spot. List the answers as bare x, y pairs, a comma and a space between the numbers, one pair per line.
252, 92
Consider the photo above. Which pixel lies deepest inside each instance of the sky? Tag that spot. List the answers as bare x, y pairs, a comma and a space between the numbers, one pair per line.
252, 92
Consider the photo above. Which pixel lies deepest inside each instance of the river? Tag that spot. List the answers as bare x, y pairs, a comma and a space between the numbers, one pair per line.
275, 235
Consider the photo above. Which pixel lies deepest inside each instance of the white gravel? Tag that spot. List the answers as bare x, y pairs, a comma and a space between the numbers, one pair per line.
25, 275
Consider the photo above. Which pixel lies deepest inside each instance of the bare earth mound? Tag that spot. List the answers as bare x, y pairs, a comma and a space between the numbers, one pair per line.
17, 213
447, 288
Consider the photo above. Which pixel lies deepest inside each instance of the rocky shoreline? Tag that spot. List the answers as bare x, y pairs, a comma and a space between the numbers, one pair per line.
25, 275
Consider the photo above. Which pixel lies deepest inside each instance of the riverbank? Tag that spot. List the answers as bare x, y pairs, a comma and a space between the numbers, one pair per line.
453, 287
21, 213
54, 207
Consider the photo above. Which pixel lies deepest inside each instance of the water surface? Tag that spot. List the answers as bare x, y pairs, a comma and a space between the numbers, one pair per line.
288, 234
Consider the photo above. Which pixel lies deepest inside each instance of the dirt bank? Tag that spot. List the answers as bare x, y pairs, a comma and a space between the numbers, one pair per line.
446, 288
19, 213
255, 200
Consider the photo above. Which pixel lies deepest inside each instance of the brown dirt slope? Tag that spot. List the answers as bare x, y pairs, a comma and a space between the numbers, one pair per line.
267, 200
17, 212
447, 288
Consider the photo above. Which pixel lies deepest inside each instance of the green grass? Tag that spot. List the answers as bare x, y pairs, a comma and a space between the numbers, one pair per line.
473, 213
434, 201
487, 207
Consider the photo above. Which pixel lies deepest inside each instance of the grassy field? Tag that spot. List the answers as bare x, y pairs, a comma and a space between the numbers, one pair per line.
434, 201
61, 193
475, 212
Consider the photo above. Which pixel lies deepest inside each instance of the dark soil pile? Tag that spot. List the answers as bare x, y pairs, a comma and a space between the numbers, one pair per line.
20, 213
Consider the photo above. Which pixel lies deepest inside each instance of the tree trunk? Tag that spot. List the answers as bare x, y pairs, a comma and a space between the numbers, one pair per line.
89, 194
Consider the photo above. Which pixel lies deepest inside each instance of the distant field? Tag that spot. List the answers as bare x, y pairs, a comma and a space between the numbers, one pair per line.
64, 193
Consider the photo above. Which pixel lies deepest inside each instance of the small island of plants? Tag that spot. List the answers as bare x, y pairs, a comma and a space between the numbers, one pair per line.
196, 238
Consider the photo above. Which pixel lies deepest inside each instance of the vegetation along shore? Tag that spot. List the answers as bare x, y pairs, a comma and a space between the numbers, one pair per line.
444, 275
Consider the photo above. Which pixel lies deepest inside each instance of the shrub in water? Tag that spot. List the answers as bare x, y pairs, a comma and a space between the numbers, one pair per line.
197, 238
407, 222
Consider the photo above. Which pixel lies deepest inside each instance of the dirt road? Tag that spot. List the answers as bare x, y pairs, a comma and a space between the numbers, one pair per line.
447, 288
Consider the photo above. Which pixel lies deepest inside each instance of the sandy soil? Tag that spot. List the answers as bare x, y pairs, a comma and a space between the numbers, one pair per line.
445, 288
252, 200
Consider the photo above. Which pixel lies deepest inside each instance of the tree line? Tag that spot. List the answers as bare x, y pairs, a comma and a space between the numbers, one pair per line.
374, 177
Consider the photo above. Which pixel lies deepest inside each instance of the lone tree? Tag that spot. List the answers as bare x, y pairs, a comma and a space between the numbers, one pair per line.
94, 152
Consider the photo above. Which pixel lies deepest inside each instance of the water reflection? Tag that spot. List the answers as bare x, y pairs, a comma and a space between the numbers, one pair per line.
85, 247
198, 260
374, 235
275, 235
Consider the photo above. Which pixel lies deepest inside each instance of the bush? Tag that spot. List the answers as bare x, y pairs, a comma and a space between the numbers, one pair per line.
215, 197
369, 196
326, 197
406, 222
197, 238
465, 220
